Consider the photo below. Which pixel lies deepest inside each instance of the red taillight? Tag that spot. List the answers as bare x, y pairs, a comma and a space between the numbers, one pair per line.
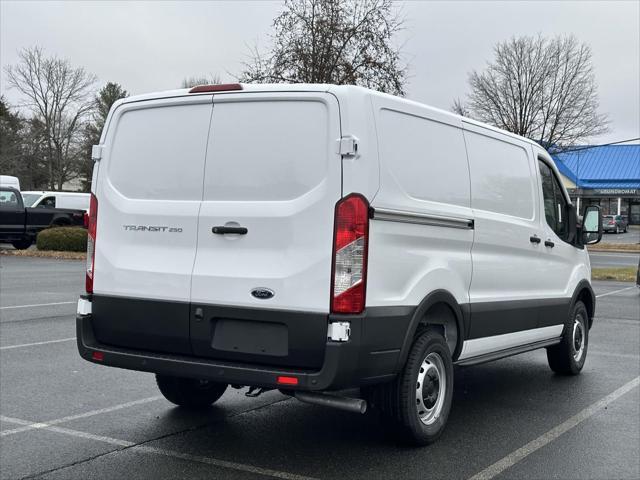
287, 381
223, 87
350, 248
92, 225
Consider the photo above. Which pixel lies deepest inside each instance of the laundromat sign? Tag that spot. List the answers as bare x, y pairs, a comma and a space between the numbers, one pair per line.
614, 191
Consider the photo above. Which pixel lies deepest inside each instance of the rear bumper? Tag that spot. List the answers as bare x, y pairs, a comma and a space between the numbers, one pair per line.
364, 359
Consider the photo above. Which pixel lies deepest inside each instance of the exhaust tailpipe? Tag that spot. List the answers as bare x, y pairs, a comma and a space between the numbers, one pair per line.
354, 405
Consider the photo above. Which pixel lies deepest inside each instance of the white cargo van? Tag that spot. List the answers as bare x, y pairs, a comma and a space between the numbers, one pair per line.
9, 181
317, 238
77, 201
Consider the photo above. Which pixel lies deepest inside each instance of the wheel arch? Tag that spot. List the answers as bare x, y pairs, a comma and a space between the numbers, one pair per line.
60, 221
584, 293
435, 301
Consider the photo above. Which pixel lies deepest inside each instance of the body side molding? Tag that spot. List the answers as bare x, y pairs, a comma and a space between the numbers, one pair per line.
401, 216
509, 352
487, 346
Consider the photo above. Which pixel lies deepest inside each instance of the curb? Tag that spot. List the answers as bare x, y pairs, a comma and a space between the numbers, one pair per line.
45, 254
611, 250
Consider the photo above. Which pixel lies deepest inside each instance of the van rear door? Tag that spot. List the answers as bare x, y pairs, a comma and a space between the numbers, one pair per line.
149, 189
261, 278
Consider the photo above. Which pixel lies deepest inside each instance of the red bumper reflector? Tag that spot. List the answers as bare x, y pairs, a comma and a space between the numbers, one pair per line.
287, 380
98, 356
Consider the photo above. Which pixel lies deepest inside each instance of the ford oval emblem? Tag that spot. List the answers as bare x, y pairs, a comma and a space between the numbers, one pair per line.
262, 293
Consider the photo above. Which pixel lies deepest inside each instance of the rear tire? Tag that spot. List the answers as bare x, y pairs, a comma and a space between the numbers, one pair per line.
22, 244
189, 392
416, 405
568, 357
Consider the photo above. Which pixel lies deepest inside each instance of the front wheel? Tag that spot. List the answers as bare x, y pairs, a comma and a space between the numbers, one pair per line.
190, 393
417, 404
22, 244
568, 357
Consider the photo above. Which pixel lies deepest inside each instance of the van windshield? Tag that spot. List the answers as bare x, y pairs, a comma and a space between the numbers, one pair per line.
30, 198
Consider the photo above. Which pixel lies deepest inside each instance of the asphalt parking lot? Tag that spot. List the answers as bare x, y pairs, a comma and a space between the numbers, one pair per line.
62, 417
631, 236
613, 259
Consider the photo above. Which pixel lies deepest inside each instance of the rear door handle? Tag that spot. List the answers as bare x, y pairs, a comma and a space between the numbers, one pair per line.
534, 239
549, 243
222, 230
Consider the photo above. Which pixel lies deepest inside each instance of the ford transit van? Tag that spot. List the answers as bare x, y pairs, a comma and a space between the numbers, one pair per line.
320, 238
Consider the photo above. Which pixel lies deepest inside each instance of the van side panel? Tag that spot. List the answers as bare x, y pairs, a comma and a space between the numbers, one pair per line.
423, 171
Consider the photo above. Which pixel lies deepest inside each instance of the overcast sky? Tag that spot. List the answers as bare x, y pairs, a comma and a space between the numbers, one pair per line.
150, 46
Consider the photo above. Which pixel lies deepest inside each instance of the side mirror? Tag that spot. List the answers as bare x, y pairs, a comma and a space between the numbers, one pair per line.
592, 225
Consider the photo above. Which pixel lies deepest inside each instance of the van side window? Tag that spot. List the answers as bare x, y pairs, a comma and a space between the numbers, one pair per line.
48, 202
501, 176
555, 204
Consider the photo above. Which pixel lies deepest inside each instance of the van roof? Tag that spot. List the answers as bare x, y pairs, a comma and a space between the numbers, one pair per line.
44, 192
341, 91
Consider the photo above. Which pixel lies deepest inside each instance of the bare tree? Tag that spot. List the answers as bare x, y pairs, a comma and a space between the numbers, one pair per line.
333, 41
189, 82
540, 88
58, 96
460, 108
103, 101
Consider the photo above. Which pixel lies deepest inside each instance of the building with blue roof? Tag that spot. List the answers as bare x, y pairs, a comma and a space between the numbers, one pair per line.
607, 175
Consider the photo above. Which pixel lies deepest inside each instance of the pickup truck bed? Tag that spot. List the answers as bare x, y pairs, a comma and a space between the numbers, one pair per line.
19, 225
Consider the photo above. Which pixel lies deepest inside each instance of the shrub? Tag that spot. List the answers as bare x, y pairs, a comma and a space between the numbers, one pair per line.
65, 239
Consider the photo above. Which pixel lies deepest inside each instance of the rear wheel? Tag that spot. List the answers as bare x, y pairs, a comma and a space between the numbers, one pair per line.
22, 244
189, 392
416, 405
568, 357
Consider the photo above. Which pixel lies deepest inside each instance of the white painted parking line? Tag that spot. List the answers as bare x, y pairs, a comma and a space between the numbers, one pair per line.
546, 438
23, 345
166, 453
623, 321
38, 305
223, 463
615, 291
57, 421
68, 431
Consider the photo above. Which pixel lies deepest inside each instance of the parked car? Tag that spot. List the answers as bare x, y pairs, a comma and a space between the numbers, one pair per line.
78, 201
614, 223
19, 225
315, 238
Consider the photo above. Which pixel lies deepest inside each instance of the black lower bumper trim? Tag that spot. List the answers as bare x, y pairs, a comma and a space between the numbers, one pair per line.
338, 370
369, 356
